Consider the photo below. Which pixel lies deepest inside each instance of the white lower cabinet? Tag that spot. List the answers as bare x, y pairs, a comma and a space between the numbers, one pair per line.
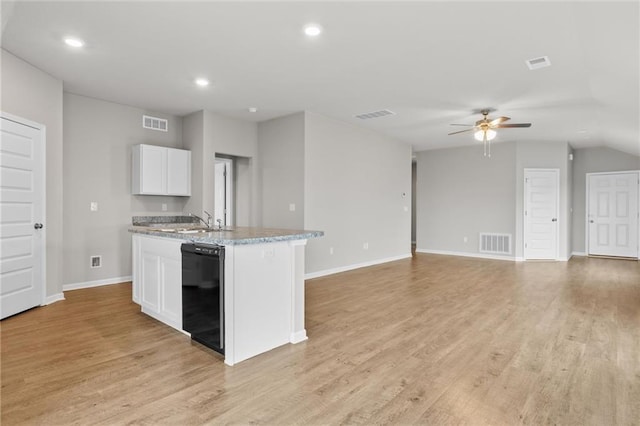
157, 278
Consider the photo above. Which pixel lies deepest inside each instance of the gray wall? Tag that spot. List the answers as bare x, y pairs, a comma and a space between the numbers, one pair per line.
593, 160
32, 94
193, 140
234, 138
98, 137
281, 148
206, 134
354, 184
461, 193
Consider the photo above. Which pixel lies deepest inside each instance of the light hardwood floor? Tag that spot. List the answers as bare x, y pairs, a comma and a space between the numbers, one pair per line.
429, 340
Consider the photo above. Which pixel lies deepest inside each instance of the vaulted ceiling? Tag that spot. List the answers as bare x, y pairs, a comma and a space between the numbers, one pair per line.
432, 63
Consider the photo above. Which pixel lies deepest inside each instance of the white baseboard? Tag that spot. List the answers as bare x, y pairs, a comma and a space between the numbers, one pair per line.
298, 336
332, 271
96, 283
579, 253
53, 298
465, 254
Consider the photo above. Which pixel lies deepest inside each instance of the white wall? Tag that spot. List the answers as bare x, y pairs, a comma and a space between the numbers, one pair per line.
282, 165
461, 193
98, 137
32, 94
354, 183
593, 160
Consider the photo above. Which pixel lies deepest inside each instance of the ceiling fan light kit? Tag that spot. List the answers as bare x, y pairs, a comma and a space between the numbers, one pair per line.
480, 135
484, 131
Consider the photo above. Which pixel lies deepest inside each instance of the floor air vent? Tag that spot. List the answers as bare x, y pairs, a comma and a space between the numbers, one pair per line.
155, 123
495, 243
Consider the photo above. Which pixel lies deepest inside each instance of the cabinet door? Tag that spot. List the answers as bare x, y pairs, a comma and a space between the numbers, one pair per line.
171, 290
153, 170
150, 277
178, 172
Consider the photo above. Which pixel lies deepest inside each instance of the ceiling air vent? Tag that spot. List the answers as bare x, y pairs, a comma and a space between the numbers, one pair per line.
375, 114
155, 123
540, 62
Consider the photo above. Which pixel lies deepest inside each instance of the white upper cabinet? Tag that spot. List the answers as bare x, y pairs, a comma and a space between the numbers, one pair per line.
159, 170
178, 172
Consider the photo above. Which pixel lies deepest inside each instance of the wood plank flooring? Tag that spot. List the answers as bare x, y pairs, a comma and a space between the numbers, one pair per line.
430, 340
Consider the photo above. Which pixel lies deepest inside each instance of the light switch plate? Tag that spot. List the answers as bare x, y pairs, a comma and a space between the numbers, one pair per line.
94, 206
292, 207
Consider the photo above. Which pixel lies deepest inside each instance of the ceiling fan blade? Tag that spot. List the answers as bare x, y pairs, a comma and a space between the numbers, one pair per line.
462, 131
506, 126
498, 120
455, 124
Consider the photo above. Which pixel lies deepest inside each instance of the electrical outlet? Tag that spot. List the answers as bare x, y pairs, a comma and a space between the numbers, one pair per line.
94, 206
164, 207
465, 239
292, 207
365, 246
330, 250
268, 252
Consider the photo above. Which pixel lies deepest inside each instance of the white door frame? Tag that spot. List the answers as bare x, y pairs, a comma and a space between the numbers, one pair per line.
557, 213
586, 206
43, 210
229, 213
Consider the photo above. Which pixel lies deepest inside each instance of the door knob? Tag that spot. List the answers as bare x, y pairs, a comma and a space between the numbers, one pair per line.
38, 226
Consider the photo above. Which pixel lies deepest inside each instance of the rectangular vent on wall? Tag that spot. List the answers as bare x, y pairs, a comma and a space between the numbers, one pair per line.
495, 243
155, 123
540, 62
96, 261
375, 114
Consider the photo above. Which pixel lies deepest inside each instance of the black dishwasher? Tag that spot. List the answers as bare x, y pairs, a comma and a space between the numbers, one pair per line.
203, 294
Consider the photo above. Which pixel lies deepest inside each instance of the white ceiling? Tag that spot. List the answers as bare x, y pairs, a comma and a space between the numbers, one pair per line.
433, 63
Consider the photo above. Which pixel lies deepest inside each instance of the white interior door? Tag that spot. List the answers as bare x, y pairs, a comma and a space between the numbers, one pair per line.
612, 217
223, 192
541, 214
21, 217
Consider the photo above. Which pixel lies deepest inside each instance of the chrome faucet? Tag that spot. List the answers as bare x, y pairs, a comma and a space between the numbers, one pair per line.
219, 224
207, 222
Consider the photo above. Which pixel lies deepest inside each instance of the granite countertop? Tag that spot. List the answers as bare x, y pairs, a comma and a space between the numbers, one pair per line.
234, 236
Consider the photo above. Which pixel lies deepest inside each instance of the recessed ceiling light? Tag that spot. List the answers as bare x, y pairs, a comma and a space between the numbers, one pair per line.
253, 109
202, 82
312, 30
74, 42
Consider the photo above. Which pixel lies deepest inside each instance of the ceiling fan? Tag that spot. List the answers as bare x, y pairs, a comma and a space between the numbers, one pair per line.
484, 129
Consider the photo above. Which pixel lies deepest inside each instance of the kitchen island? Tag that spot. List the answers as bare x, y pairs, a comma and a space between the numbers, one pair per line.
264, 281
